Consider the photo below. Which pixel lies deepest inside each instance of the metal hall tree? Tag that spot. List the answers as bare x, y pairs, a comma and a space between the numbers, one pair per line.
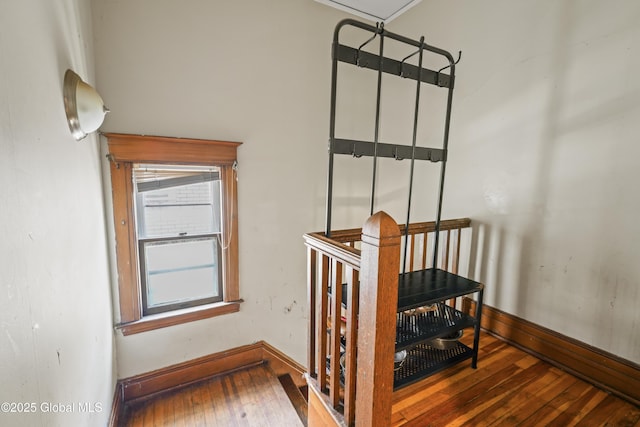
419, 333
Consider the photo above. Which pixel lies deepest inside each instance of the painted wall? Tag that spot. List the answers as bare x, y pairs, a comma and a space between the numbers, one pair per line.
230, 70
542, 110
56, 339
544, 158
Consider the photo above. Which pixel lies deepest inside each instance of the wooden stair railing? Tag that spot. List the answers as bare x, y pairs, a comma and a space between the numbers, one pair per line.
330, 264
364, 265
377, 319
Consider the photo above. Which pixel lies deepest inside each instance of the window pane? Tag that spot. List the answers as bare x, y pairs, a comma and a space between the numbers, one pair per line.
177, 201
179, 271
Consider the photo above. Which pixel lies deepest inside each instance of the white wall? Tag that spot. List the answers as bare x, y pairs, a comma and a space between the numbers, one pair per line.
56, 339
255, 72
544, 101
544, 157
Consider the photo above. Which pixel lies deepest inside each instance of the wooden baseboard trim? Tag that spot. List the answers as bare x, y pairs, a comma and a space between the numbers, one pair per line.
117, 406
605, 370
171, 377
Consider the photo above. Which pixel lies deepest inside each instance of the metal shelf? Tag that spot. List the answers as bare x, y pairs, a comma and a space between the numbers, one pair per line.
423, 361
443, 321
423, 287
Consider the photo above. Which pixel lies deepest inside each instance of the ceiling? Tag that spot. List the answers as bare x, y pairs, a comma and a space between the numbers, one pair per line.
374, 10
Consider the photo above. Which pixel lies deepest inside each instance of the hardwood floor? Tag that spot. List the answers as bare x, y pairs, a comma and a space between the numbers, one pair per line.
509, 388
251, 397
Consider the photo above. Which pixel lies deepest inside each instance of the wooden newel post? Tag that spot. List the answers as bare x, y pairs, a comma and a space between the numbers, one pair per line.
379, 269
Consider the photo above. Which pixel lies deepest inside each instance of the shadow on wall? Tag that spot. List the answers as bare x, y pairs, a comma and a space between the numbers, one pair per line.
493, 261
533, 230
570, 265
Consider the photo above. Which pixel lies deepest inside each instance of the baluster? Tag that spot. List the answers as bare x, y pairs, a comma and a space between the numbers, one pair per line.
445, 262
455, 262
445, 255
336, 322
432, 261
412, 251
351, 337
321, 321
312, 293
456, 255
425, 247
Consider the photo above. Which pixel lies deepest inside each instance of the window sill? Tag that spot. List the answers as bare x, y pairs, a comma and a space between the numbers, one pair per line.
178, 317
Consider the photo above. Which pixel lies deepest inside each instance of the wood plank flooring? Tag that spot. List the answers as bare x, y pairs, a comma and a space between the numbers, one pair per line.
251, 397
509, 388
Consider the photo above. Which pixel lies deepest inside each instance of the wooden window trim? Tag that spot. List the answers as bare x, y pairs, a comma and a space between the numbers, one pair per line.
124, 151
178, 317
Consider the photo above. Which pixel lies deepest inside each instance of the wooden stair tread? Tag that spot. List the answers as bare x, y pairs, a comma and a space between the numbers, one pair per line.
266, 398
296, 396
247, 397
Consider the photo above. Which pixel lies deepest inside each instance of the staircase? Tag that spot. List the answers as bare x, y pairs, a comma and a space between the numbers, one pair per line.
252, 396
299, 396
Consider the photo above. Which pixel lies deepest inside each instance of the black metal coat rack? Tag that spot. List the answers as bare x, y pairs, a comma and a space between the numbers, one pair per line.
375, 149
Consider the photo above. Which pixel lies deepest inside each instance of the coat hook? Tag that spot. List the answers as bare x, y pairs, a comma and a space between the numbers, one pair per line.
395, 154
448, 66
353, 152
379, 29
402, 74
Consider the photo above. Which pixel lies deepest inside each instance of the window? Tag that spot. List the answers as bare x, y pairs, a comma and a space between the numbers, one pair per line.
175, 215
178, 228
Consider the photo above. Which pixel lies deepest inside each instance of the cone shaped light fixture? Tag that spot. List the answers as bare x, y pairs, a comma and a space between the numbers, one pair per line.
83, 105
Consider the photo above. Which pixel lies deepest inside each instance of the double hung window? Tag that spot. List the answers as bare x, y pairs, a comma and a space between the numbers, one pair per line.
178, 227
175, 215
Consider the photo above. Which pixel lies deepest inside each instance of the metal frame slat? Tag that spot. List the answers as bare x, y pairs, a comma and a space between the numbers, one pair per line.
358, 148
350, 55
